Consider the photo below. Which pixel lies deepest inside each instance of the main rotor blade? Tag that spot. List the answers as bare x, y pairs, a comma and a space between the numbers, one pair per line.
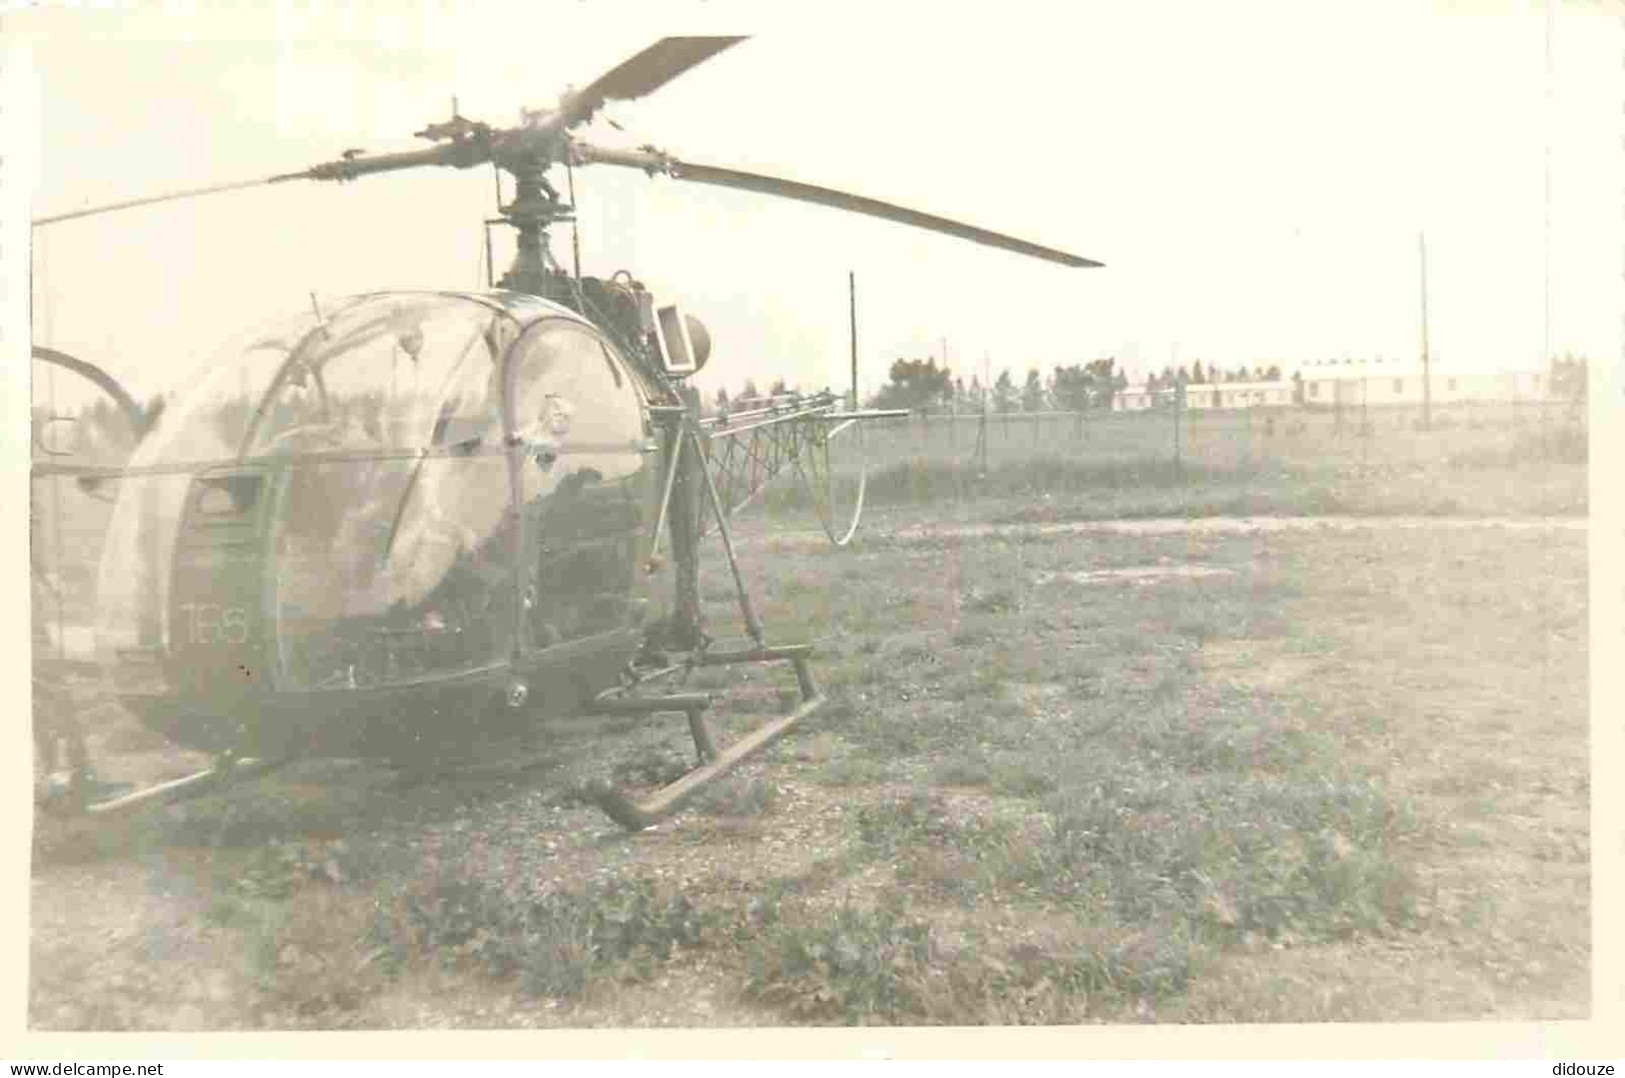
654, 161
644, 73
151, 200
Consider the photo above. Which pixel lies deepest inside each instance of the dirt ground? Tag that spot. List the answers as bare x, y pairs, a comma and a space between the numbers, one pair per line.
1029, 800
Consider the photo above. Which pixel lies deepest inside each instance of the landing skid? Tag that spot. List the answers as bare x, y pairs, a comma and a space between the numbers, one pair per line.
83, 795
663, 803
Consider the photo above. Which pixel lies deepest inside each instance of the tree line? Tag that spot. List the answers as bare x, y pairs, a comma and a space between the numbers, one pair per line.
921, 385
1212, 375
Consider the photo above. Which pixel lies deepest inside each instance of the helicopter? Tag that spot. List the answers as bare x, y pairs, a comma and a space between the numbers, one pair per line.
399, 525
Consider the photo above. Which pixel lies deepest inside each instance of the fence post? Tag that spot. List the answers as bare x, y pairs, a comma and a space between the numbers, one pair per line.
1545, 450
981, 440
1365, 422
1248, 408
1178, 406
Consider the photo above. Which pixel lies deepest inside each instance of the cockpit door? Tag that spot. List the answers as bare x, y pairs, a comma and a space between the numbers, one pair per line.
578, 418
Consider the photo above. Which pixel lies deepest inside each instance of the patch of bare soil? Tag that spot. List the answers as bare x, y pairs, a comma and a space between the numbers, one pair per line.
1256, 664
1140, 575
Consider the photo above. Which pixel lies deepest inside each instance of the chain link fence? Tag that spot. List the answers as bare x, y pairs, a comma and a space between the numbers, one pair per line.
1240, 440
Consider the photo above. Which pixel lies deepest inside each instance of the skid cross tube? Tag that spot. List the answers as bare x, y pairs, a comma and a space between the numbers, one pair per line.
639, 815
693, 704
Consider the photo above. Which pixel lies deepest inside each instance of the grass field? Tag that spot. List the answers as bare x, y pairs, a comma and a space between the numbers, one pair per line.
1195, 776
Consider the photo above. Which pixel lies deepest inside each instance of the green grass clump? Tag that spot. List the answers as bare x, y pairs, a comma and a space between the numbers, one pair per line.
553, 944
739, 796
1320, 859
857, 966
971, 768
852, 769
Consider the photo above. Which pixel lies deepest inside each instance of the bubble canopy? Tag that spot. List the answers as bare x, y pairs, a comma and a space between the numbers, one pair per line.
83, 424
384, 367
377, 492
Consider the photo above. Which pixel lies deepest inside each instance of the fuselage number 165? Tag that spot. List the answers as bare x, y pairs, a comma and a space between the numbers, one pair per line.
211, 623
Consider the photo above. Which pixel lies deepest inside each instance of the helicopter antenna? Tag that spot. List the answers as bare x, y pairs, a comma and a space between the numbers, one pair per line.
321, 319
496, 185
575, 230
490, 273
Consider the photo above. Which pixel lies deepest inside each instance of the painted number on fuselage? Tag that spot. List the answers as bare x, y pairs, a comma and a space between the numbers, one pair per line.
211, 623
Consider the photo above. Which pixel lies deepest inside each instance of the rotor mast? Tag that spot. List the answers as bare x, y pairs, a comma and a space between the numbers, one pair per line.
535, 206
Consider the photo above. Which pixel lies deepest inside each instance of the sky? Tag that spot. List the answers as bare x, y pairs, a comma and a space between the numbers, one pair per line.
1255, 177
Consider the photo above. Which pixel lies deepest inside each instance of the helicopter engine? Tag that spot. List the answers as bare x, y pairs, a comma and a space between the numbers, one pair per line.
676, 341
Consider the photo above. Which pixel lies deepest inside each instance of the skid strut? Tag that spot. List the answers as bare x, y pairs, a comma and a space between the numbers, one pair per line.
637, 815
713, 765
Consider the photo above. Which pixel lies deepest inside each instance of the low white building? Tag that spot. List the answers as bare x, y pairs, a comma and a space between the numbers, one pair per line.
1349, 383
1354, 383
1227, 395
1134, 400
1208, 396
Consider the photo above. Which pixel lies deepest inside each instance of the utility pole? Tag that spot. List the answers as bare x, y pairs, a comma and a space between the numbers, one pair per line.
1546, 331
1546, 337
981, 433
852, 306
1365, 413
1179, 406
1427, 373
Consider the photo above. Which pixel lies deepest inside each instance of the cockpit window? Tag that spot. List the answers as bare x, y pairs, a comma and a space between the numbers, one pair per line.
580, 421
568, 390
389, 565
369, 433
401, 373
